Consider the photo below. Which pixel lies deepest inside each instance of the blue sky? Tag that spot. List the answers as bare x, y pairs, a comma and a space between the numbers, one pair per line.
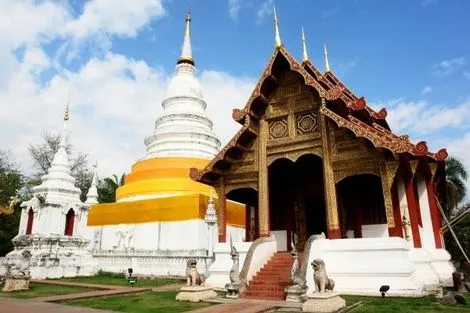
113, 59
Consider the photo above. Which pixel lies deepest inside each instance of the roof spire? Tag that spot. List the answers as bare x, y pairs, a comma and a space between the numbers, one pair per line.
63, 136
277, 38
304, 46
327, 64
186, 53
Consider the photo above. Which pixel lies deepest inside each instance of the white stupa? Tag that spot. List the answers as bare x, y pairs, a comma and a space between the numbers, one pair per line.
53, 223
183, 130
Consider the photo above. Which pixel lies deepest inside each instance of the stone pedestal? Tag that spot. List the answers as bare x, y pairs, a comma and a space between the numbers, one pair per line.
295, 294
16, 283
232, 290
195, 294
325, 302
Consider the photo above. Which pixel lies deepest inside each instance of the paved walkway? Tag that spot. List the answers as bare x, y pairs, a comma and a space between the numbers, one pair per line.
246, 306
9, 305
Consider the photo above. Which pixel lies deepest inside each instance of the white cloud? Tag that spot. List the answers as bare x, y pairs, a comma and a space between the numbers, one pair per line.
426, 90
420, 117
265, 9
114, 17
233, 8
447, 67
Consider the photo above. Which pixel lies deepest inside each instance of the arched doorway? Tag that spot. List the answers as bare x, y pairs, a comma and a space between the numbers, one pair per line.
29, 224
249, 197
69, 221
296, 199
362, 208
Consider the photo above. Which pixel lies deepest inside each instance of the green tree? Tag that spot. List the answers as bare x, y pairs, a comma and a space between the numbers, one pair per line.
107, 188
456, 176
11, 181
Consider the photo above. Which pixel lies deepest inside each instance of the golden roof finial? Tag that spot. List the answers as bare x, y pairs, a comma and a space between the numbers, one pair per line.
66, 114
277, 38
304, 47
327, 63
186, 53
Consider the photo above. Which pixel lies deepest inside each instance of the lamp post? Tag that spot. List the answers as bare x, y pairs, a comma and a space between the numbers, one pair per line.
210, 219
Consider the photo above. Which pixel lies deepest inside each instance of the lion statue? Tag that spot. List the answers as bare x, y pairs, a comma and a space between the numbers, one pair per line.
320, 278
193, 278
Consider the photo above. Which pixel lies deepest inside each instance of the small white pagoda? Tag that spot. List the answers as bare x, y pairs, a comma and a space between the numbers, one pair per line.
53, 222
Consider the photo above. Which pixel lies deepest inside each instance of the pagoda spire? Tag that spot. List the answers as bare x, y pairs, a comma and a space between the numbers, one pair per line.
327, 63
304, 47
186, 52
277, 38
92, 195
63, 136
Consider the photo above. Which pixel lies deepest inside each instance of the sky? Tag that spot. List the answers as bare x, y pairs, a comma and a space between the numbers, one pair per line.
112, 60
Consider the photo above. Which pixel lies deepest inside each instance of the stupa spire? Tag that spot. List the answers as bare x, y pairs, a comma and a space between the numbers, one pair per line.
304, 47
327, 63
92, 195
63, 136
277, 37
186, 52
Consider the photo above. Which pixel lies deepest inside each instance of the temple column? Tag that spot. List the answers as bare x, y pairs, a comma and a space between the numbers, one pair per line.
412, 201
428, 240
222, 212
435, 214
263, 182
396, 231
387, 175
334, 231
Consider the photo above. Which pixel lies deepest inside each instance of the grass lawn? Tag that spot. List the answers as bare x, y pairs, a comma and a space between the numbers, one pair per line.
146, 302
404, 305
401, 305
120, 280
40, 290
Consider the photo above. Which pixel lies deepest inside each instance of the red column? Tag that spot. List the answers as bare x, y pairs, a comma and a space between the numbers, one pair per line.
411, 199
396, 231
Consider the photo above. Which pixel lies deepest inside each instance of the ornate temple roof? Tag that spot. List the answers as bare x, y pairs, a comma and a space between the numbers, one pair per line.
341, 105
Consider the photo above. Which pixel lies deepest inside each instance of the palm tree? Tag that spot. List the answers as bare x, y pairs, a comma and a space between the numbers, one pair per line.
107, 188
456, 176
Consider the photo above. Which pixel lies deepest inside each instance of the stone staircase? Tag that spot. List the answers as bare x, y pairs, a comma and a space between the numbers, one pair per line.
273, 277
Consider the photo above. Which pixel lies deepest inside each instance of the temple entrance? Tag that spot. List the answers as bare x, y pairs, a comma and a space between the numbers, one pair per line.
69, 221
296, 200
362, 207
249, 197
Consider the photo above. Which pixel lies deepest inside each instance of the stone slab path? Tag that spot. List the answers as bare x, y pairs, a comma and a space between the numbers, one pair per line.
246, 306
9, 305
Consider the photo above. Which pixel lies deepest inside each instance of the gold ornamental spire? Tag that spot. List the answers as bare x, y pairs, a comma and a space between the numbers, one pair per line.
327, 63
186, 52
66, 114
277, 38
304, 47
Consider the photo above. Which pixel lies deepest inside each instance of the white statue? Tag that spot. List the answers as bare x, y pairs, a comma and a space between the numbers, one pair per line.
322, 282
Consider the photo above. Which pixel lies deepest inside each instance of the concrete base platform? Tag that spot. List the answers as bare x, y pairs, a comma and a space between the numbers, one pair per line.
14, 284
195, 294
328, 302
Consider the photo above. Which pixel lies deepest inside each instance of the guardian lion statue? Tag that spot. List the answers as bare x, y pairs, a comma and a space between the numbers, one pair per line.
320, 278
193, 278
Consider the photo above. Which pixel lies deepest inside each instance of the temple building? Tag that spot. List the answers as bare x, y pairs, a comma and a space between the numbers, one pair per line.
313, 158
53, 224
158, 217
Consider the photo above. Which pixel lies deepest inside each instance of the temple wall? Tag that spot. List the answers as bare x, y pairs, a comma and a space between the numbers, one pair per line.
158, 236
380, 261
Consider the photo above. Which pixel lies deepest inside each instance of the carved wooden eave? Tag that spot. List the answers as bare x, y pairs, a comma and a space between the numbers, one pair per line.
329, 88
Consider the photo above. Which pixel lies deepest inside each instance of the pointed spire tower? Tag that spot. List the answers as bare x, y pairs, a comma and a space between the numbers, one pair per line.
58, 183
277, 36
183, 130
186, 52
327, 63
304, 48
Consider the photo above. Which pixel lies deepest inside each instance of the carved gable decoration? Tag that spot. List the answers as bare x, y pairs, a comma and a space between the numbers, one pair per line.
278, 128
306, 123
